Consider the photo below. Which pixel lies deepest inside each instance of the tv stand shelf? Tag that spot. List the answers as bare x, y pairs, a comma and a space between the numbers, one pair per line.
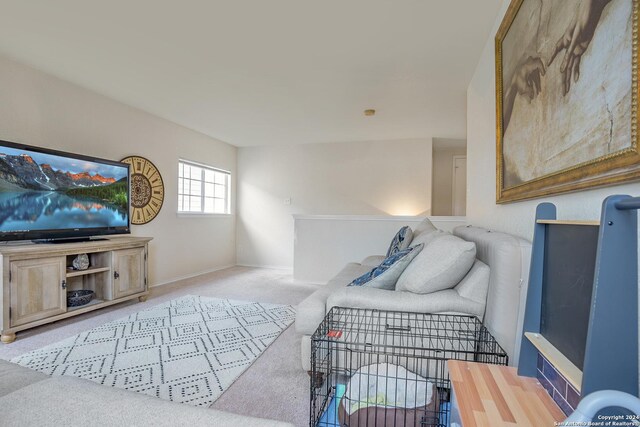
90, 270
36, 278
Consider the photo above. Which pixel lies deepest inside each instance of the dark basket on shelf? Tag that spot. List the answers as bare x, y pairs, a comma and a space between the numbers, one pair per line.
79, 298
349, 339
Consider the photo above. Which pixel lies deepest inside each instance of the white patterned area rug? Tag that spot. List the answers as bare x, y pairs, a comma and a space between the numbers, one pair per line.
188, 350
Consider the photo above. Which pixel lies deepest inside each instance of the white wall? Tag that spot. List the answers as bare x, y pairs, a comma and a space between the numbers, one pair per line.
38, 109
516, 218
356, 178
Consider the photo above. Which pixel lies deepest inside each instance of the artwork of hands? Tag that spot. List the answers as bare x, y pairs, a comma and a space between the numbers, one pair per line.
576, 39
528, 73
528, 76
526, 81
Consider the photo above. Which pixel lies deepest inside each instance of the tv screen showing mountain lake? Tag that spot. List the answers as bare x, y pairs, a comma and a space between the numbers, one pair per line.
44, 192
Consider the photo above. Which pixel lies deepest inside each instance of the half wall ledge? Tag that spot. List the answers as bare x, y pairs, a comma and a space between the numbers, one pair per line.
323, 244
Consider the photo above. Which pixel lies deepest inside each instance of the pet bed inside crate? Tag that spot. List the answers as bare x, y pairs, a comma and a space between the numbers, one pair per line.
386, 394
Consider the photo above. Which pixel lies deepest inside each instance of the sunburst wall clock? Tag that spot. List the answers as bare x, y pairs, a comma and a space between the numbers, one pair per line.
147, 189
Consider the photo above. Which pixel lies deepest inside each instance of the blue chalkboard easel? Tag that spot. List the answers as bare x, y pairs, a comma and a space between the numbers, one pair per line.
611, 352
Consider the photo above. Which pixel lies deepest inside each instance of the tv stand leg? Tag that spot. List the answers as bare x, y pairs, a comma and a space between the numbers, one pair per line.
8, 338
143, 298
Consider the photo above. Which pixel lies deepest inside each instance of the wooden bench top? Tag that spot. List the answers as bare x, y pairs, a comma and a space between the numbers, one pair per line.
494, 395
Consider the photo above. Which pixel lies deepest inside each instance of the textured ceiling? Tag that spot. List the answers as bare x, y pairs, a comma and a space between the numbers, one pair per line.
266, 72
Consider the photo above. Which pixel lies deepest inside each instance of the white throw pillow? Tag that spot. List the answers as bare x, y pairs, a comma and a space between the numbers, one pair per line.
440, 265
425, 225
427, 237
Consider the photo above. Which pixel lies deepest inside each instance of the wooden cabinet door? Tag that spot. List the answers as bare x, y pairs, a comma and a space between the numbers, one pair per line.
129, 275
38, 289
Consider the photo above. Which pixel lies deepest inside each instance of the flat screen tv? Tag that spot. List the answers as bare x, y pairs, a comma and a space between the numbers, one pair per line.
48, 195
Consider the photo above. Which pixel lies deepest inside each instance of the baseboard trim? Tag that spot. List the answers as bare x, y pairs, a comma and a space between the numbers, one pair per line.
190, 276
270, 267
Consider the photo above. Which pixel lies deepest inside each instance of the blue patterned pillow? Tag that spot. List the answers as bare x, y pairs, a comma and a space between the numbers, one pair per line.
386, 274
400, 241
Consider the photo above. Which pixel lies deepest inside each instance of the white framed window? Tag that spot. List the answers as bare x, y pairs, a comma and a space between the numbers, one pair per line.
203, 189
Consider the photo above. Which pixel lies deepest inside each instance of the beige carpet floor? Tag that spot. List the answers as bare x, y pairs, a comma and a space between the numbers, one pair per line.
274, 387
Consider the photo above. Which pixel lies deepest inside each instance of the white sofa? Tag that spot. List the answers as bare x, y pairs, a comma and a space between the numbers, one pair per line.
497, 302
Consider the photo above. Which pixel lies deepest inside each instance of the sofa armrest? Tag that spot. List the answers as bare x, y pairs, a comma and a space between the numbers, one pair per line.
76, 402
310, 312
14, 377
446, 301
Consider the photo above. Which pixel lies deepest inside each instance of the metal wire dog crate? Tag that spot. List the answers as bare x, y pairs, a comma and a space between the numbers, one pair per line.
389, 368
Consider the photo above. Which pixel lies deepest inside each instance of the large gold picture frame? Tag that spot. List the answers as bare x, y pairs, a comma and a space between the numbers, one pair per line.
566, 97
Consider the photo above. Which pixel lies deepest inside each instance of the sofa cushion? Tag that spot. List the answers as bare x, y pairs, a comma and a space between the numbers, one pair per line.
440, 265
425, 225
386, 274
475, 284
400, 241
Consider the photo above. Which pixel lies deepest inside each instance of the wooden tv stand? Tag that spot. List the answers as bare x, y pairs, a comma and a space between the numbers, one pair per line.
36, 278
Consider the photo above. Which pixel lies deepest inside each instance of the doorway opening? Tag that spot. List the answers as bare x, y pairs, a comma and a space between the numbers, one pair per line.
449, 181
